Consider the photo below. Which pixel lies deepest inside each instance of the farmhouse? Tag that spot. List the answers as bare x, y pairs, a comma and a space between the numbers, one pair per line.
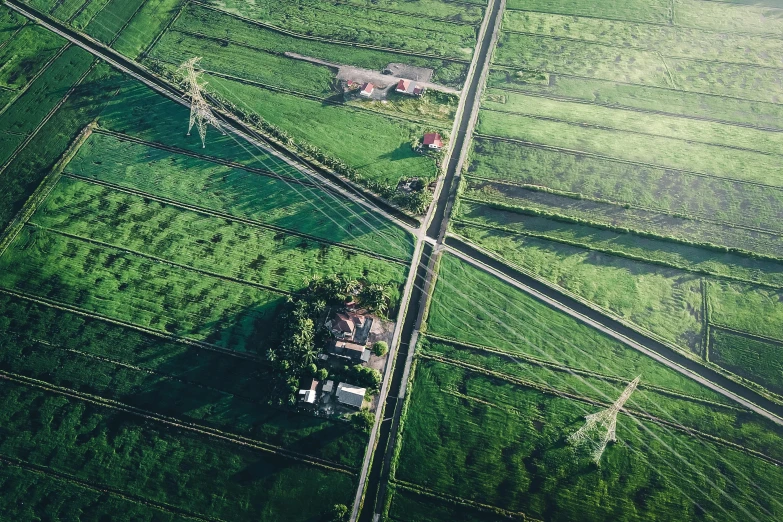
307, 395
348, 326
433, 140
353, 351
350, 395
409, 87
367, 90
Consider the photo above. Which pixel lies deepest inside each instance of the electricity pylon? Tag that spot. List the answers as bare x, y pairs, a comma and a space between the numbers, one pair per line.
200, 113
602, 424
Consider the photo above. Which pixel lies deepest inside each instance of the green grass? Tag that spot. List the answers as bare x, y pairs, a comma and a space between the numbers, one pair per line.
10, 22
26, 54
88, 13
34, 162
145, 26
31, 495
27, 111
429, 8
134, 289
167, 377
656, 11
475, 307
198, 474
633, 246
601, 214
759, 18
475, 437
111, 19
65, 10
647, 187
670, 101
238, 193
409, 505
249, 64
655, 150
633, 121
674, 41
747, 308
351, 23
204, 242
378, 147
218, 25
759, 361
714, 414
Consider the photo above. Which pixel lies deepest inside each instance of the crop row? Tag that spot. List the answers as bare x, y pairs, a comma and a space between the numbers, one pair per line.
654, 188
184, 470
233, 249
508, 200
656, 151
477, 448
235, 192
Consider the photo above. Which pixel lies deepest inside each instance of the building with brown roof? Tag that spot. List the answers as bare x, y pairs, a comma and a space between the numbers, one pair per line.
433, 140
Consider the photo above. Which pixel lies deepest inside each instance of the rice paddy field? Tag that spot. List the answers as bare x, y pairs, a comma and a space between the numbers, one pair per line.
499, 383
141, 280
630, 155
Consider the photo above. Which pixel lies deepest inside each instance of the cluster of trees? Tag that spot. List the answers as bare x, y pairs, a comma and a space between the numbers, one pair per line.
300, 337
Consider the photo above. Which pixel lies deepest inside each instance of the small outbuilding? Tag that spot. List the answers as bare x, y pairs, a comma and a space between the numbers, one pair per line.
350, 395
367, 90
347, 349
307, 395
433, 140
409, 87
328, 387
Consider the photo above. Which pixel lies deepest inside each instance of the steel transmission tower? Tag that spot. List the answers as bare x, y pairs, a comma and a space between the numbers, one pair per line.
599, 428
200, 113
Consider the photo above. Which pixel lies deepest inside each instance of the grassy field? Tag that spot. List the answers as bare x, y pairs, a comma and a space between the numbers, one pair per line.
35, 161
111, 19
113, 450
754, 359
741, 306
742, 17
148, 22
656, 11
25, 54
351, 23
446, 10
29, 110
90, 11
668, 191
238, 193
479, 438
232, 249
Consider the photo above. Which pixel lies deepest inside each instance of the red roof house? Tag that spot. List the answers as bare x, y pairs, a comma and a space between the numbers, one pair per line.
346, 323
367, 90
403, 86
432, 140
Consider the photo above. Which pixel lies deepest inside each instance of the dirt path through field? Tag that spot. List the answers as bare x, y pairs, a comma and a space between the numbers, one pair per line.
380, 80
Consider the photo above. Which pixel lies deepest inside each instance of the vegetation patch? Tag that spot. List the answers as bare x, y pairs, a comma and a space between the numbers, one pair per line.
754, 359
28, 51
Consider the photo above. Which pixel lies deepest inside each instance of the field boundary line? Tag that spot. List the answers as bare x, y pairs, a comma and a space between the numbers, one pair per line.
568, 369
640, 133
175, 422
532, 187
621, 160
221, 215
608, 330
149, 331
575, 397
582, 101
127, 22
48, 116
101, 489
78, 11
212, 159
160, 260
705, 318
326, 40
13, 35
144, 52
88, 22
749, 335
422, 490
43, 190
649, 50
615, 253
20, 92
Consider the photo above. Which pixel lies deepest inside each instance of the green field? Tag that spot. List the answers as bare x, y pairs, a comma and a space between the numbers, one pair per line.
90, 11
113, 450
758, 360
108, 23
25, 54
147, 23
478, 438
655, 11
